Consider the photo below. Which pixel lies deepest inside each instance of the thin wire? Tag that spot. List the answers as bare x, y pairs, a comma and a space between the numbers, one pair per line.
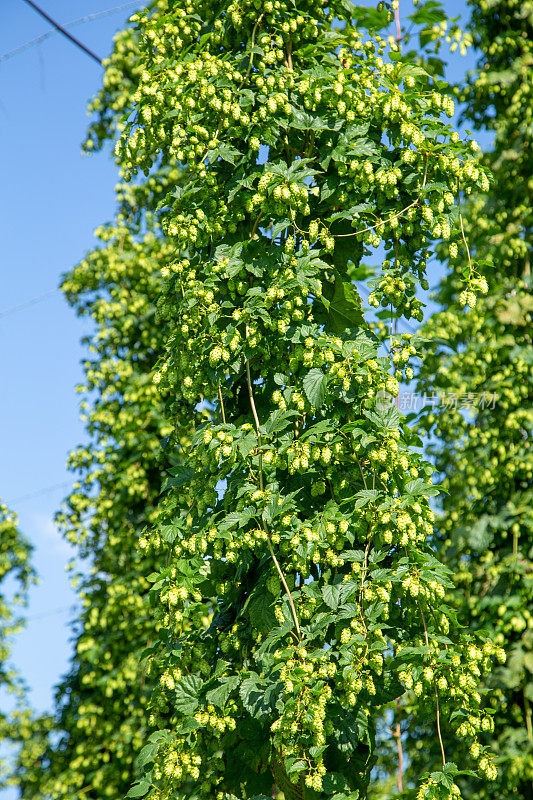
62, 30
51, 613
80, 21
31, 302
45, 490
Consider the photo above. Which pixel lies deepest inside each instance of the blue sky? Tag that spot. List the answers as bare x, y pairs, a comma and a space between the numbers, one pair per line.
53, 197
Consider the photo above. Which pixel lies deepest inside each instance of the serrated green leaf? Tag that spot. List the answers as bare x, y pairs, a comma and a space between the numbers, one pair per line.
278, 421
365, 496
331, 595
315, 383
186, 694
226, 153
168, 532
413, 71
344, 307
220, 694
415, 487
146, 755
139, 789
261, 612
181, 475
279, 227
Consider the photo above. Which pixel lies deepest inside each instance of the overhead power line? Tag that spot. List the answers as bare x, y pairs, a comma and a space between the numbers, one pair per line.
51, 613
31, 302
79, 21
45, 490
63, 31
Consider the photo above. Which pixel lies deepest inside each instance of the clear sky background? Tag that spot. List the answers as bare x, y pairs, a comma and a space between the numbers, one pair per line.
52, 198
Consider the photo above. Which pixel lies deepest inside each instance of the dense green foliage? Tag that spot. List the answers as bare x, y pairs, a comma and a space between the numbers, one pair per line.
482, 366
16, 576
296, 607
300, 595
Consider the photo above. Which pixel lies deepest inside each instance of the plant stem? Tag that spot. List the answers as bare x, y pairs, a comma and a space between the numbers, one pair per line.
256, 419
398, 26
261, 486
256, 224
436, 691
463, 230
221, 405
398, 737
284, 582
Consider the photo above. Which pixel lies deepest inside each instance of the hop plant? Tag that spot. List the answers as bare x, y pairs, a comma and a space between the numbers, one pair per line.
482, 451
298, 594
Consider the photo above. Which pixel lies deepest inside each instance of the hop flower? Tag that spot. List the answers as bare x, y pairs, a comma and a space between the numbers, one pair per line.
215, 356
